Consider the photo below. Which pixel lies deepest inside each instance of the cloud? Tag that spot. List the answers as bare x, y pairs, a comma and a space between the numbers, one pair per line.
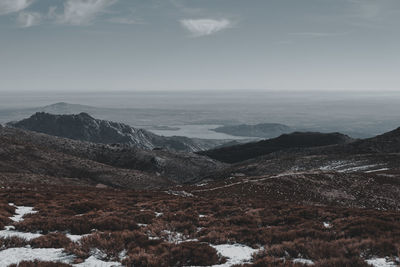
203, 27
11, 6
83, 12
28, 19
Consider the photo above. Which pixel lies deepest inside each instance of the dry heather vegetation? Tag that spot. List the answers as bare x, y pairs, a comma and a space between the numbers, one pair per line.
153, 228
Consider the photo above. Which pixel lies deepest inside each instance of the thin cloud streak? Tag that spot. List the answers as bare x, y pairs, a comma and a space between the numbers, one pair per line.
203, 27
83, 12
12, 6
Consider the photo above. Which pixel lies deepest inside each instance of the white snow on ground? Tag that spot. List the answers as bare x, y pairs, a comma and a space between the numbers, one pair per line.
75, 238
335, 165
381, 262
16, 255
93, 261
176, 237
327, 225
236, 254
122, 255
351, 166
21, 211
202, 216
303, 261
378, 170
179, 193
358, 168
9, 232
158, 214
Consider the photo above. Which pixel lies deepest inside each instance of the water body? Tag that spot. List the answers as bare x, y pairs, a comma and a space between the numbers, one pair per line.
203, 131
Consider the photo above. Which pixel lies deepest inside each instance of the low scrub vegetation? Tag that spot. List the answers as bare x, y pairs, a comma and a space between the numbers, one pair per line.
157, 229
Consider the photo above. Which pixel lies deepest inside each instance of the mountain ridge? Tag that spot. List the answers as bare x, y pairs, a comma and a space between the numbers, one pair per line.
296, 140
84, 127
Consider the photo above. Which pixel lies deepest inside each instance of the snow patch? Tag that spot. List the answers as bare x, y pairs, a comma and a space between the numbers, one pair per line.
75, 238
327, 225
303, 261
8, 233
21, 211
158, 214
350, 166
179, 193
93, 261
16, 255
236, 254
176, 237
382, 262
378, 170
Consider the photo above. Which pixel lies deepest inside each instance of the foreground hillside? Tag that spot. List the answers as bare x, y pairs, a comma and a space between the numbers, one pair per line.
104, 227
34, 157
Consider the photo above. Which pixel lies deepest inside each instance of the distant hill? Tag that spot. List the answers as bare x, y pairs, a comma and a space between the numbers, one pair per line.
264, 130
237, 153
84, 127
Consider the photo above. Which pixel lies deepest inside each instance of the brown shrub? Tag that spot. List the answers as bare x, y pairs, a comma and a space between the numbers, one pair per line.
53, 240
84, 206
141, 258
113, 223
111, 243
12, 242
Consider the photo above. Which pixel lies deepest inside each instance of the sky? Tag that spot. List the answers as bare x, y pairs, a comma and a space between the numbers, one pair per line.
122, 45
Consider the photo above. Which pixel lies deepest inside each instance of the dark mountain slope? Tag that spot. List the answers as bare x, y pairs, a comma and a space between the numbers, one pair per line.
22, 161
177, 166
83, 127
385, 143
380, 155
295, 140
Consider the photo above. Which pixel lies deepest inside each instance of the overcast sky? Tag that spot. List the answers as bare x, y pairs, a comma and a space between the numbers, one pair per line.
199, 44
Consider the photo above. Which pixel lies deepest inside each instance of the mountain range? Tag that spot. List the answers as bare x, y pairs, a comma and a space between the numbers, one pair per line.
84, 127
